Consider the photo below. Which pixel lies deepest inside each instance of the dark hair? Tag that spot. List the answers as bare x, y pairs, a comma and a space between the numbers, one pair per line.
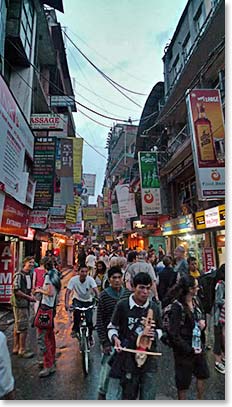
142, 278
221, 273
167, 260
181, 289
103, 265
131, 256
191, 258
48, 264
114, 270
26, 259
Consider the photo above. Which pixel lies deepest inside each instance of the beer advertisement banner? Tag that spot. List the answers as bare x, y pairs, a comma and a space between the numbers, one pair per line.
126, 201
208, 141
150, 183
77, 159
44, 171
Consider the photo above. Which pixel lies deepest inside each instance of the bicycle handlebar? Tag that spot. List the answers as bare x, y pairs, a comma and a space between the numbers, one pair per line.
72, 308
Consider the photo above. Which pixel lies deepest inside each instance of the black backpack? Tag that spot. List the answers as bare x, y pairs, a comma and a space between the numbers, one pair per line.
166, 337
206, 294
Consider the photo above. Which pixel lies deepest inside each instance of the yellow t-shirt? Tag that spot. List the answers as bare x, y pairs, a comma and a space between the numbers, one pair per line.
195, 274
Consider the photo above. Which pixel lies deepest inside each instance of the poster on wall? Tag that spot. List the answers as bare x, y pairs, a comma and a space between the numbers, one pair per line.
88, 184
7, 266
150, 182
208, 141
44, 171
17, 140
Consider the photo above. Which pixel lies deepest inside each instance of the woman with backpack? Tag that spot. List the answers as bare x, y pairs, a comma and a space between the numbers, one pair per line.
186, 326
219, 321
46, 336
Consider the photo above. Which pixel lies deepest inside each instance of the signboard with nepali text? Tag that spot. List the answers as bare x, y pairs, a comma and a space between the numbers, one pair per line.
44, 171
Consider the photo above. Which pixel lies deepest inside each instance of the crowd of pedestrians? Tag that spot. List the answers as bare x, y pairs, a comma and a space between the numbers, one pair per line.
136, 291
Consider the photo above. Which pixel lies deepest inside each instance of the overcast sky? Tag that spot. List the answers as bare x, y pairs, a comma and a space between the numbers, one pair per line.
126, 40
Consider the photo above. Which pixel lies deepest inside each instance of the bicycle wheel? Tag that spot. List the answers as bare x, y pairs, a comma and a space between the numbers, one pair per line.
85, 355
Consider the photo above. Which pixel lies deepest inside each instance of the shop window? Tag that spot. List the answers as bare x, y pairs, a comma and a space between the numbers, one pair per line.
187, 194
26, 26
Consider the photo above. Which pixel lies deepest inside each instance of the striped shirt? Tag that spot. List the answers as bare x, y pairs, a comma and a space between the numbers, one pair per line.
107, 301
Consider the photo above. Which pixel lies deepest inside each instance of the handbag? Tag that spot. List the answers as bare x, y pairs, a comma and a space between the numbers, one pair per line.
44, 317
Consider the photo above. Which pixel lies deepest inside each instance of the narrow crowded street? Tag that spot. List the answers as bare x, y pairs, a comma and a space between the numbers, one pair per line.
69, 383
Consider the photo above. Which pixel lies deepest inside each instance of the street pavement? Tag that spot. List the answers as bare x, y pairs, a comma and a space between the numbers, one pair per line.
69, 382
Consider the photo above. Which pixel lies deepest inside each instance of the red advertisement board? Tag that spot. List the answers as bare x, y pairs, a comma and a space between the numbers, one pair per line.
209, 261
7, 265
15, 218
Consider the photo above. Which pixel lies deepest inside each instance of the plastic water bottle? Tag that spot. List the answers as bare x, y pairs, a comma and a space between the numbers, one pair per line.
196, 338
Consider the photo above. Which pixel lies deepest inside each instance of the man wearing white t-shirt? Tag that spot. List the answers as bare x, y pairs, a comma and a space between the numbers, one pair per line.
83, 288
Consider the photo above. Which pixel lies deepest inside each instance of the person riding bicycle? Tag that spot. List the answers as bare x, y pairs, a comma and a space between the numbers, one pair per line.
82, 287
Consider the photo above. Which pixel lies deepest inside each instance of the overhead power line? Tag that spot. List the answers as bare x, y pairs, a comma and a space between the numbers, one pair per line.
100, 71
104, 58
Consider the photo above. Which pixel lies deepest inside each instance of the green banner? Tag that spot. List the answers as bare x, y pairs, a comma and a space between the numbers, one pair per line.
148, 167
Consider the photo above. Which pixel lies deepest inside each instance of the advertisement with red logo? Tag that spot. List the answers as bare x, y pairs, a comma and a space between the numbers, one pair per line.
15, 218
209, 261
208, 141
6, 271
150, 182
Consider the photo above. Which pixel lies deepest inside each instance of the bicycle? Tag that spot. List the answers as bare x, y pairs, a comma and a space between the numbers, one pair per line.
83, 337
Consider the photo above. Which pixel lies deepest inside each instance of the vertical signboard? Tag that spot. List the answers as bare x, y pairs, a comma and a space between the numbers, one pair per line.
16, 140
126, 201
150, 183
208, 259
207, 136
43, 171
77, 159
6, 271
89, 184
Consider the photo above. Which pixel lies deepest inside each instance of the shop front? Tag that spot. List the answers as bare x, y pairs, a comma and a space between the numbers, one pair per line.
181, 231
212, 223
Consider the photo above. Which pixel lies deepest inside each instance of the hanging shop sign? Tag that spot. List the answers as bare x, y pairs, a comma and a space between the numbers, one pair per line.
46, 121
44, 171
150, 182
200, 220
208, 259
126, 201
38, 219
16, 140
182, 224
88, 184
7, 266
207, 137
210, 218
15, 218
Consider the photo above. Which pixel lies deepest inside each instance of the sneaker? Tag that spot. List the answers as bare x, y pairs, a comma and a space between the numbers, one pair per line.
26, 355
45, 372
220, 367
53, 369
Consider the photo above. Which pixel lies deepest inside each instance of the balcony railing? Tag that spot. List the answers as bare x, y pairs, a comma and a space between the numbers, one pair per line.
177, 140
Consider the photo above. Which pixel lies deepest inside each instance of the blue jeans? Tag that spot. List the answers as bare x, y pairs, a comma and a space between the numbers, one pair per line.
114, 390
140, 386
104, 374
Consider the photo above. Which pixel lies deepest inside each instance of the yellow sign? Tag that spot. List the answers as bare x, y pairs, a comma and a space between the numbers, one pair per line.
200, 220
77, 159
222, 214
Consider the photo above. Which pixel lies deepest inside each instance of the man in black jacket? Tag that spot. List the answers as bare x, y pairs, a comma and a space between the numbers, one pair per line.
125, 326
107, 302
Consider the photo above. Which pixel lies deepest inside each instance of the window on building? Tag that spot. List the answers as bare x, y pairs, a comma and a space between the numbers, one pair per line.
187, 193
186, 46
26, 26
199, 19
176, 68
